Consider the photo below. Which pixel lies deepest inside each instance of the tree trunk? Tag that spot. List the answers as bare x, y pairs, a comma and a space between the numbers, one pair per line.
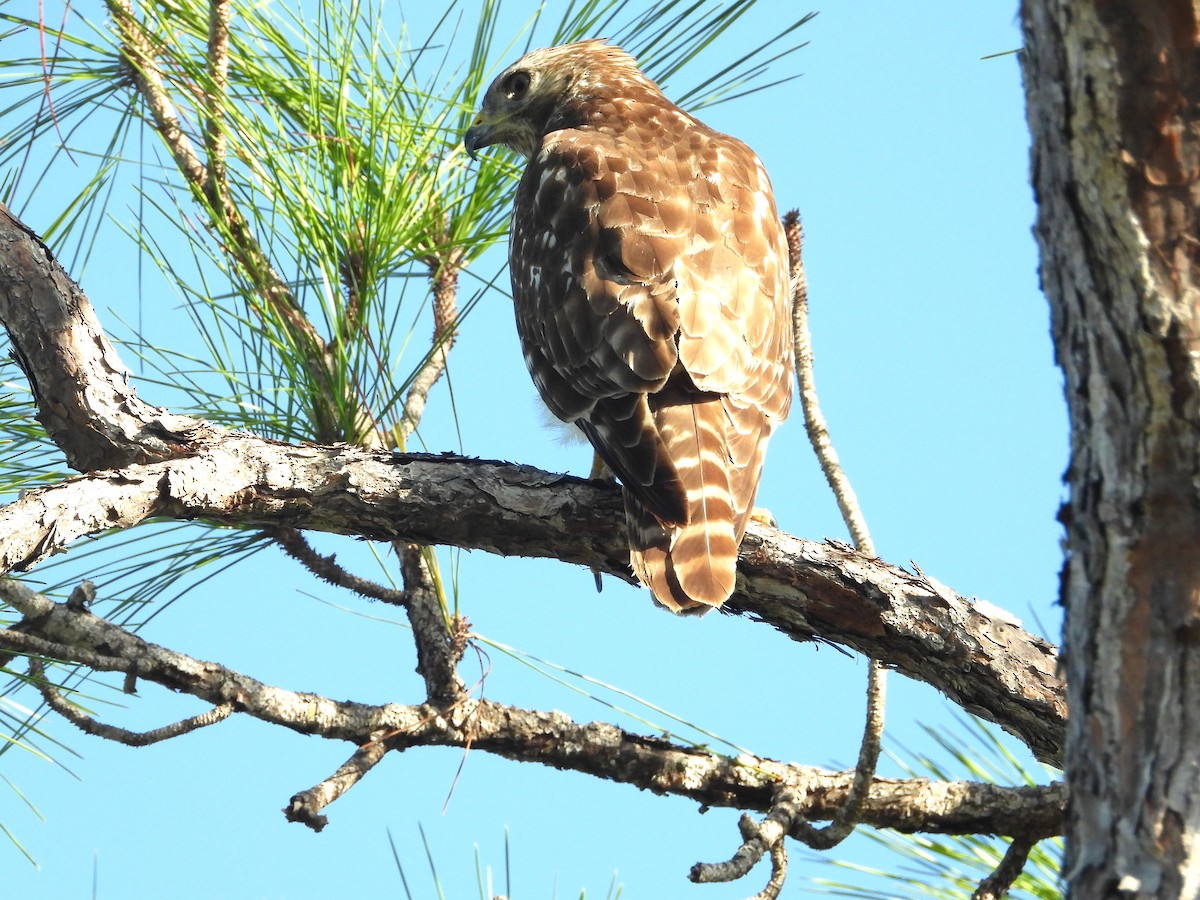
1113, 94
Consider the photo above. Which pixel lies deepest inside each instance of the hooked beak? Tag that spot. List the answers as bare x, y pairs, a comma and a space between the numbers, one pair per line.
479, 135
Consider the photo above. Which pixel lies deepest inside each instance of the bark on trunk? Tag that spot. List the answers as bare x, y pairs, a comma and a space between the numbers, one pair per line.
1112, 91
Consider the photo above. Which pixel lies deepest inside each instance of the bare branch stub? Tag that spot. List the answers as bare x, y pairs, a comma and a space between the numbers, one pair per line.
305, 807
1000, 881
759, 839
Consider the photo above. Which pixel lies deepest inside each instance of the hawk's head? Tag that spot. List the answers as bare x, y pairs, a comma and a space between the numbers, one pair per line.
546, 90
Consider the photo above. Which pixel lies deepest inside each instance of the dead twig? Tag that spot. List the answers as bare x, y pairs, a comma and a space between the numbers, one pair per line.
293, 543
85, 723
759, 839
305, 807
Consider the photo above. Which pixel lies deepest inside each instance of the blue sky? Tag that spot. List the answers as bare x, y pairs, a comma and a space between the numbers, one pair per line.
907, 155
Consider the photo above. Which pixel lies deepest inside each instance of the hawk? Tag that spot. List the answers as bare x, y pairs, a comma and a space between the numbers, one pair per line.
650, 280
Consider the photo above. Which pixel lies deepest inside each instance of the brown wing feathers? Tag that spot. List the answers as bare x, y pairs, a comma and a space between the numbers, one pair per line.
650, 284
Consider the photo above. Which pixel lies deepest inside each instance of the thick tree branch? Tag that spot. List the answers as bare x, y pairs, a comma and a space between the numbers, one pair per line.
972, 652
969, 651
550, 738
82, 389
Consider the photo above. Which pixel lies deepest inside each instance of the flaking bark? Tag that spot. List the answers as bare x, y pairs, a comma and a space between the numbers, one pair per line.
1113, 94
550, 738
144, 462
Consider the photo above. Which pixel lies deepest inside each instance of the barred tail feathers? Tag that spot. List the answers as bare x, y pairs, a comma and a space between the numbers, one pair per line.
691, 566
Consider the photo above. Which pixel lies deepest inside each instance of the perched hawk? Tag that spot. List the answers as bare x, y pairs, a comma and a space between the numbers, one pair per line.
650, 277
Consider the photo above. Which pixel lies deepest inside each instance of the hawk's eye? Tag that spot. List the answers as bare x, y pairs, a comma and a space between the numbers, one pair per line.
516, 84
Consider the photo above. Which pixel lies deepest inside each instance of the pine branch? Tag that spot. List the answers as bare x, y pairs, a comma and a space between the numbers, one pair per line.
549, 738
972, 652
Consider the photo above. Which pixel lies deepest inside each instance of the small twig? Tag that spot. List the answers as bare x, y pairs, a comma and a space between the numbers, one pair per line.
998, 883
85, 723
305, 807
758, 840
326, 568
818, 434
814, 419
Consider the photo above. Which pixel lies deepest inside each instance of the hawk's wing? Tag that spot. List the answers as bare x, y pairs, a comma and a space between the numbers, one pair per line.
649, 274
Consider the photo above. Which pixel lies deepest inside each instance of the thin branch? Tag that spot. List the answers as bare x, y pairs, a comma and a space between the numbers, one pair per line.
1011, 866
85, 723
444, 275
551, 738
218, 72
140, 54
844, 823
305, 807
440, 640
326, 568
814, 419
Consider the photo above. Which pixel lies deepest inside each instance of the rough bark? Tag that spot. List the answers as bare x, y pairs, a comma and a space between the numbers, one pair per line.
1114, 108
972, 652
524, 735
84, 398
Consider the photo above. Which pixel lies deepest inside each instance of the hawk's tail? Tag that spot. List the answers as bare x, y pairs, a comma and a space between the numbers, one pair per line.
691, 567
